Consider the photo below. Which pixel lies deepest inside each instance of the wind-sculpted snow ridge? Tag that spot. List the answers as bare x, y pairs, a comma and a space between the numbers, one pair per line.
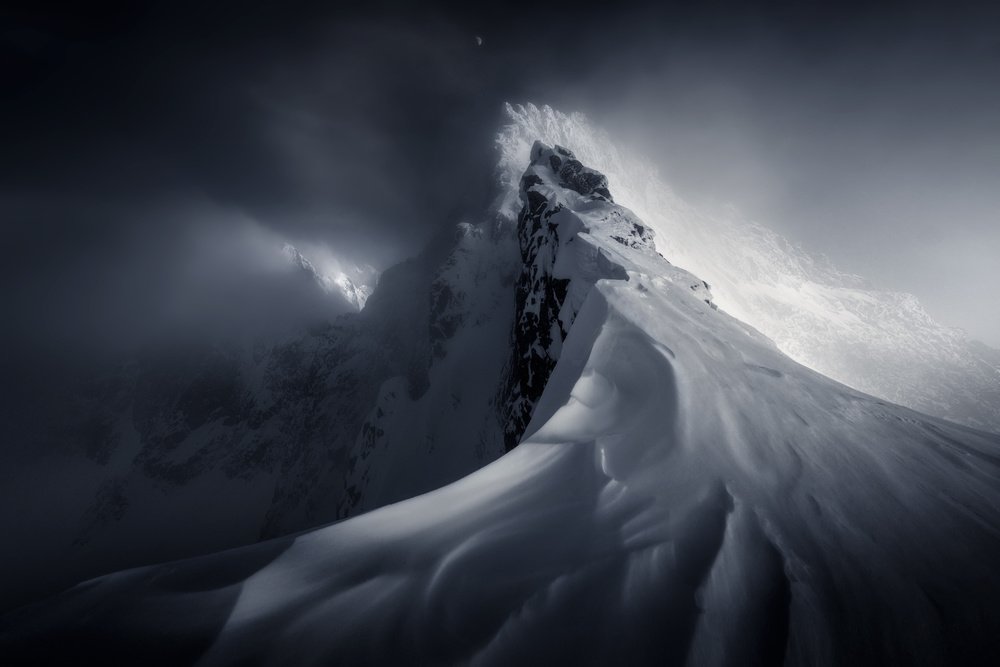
878, 341
684, 494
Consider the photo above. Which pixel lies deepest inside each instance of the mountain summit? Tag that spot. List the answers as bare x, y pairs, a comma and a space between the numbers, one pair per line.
878, 341
354, 285
682, 492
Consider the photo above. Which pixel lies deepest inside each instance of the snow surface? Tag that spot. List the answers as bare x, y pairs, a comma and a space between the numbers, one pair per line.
685, 494
878, 341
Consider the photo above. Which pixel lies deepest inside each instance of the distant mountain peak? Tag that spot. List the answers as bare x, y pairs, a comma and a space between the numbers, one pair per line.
355, 284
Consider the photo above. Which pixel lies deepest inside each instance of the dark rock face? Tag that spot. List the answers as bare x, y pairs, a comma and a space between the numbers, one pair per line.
639, 236
539, 299
572, 175
543, 313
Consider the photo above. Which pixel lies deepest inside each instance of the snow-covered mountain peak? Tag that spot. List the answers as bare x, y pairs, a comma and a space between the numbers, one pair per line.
879, 341
683, 494
558, 182
354, 284
571, 235
570, 172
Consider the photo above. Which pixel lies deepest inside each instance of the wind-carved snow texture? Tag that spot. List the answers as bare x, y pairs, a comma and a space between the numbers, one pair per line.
875, 340
684, 494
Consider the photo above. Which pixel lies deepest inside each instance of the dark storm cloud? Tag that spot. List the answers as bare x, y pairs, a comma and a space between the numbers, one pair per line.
141, 138
162, 137
868, 132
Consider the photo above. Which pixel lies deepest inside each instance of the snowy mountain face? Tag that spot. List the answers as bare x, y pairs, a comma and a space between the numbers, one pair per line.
211, 446
683, 493
290, 432
877, 341
354, 285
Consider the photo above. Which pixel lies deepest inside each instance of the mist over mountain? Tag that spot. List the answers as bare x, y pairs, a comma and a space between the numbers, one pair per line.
135, 129
674, 488
502, 333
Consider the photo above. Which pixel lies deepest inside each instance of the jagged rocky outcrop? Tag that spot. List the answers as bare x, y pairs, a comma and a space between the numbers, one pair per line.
347, 416
357, 283
435, 377
561, 199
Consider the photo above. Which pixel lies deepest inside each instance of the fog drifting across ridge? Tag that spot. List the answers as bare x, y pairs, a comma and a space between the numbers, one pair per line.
206, 272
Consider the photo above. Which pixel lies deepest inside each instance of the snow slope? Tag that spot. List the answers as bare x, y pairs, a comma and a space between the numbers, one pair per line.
684, 494
292, 431
877, 341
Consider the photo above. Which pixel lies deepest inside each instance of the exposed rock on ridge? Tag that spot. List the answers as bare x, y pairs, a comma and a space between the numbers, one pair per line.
561, 200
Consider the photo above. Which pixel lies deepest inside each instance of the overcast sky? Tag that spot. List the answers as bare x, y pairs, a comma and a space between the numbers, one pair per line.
154, 153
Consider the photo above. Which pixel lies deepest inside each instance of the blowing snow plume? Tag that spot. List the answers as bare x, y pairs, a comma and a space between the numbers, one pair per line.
684, 493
